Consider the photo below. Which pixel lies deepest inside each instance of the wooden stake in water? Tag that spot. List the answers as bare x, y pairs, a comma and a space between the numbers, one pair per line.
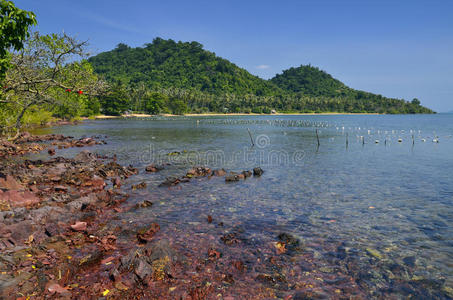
251, 138
317, 137
347, 139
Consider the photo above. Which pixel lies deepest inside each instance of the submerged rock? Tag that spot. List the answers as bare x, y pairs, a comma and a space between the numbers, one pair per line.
85, 156
374, 253
170, 181
141, 185
218, 173
257, 171
145, 235
198, 172
247, 173
147, 263
152, 168
288, 243
232, 177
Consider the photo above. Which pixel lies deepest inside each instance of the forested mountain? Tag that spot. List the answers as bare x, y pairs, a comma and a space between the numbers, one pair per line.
203, 82
169, 64
311, 81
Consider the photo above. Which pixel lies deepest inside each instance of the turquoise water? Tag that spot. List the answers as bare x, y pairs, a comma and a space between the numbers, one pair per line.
386, 203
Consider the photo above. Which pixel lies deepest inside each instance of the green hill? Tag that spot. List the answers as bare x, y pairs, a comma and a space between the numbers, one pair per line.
184, 71
170, 64
311, 81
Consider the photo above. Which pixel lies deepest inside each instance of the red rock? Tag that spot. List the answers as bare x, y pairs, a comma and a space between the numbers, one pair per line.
55, 288
55, 178
9, 183
108, 242
213, 254
79, 226
220, 172
96, 182
19, 198
107, 260
153, 168
148, 234
238, 265
61, 188
117, 182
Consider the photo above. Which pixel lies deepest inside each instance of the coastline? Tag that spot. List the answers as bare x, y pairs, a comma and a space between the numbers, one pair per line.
101, 117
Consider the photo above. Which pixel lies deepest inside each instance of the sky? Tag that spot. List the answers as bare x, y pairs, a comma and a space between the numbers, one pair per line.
401, 49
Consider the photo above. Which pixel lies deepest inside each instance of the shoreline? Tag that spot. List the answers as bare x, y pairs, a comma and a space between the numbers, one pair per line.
102, 117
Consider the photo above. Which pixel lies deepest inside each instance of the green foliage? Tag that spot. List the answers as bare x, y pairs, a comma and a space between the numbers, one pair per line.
169, 64
177, 106
116, 101
311, 81
38, 115
205, 82
155, 103
14, 24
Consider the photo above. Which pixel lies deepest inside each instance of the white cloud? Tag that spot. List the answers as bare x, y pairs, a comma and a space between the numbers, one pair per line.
263, 67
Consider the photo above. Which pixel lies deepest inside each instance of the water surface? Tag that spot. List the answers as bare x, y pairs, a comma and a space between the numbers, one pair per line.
379, 186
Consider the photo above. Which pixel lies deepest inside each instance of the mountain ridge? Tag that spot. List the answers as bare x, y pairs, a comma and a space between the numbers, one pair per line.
185, 66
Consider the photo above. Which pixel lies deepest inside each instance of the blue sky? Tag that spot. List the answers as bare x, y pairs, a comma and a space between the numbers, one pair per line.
401, 49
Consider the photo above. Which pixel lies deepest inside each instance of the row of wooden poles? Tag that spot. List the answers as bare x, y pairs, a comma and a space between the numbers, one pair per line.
347, 139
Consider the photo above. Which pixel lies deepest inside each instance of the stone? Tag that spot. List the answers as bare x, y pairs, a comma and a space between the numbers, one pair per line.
257, 171
141, 185
374, 253
79, 226
19, 198
152, 168
146, 235
9, 183
85, 156
218, 173
231, 177
247, 173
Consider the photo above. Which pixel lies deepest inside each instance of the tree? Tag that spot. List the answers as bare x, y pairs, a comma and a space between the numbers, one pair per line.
415, 101
14, 24
47, 67
155, 103
178, 107
116, 101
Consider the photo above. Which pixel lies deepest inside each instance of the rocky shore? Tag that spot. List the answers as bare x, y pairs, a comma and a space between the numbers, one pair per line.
66, 233
56, 240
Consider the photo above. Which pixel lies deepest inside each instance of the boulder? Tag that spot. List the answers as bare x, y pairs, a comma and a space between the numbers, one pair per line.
257, 171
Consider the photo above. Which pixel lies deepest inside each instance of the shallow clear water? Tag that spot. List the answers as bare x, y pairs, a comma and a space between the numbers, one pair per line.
374, 192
